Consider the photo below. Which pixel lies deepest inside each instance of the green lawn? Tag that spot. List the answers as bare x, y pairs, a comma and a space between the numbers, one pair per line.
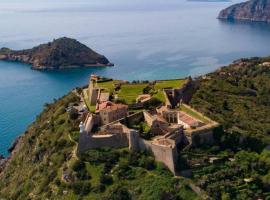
90, 107
170, 84
86, 99
109, 85
160, 85
160, 95
129, 92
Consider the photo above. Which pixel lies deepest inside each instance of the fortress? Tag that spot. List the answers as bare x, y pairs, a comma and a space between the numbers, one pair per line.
164, 131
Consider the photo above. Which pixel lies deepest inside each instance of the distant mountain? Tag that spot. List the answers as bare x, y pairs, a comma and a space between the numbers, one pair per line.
58, 54
253, 10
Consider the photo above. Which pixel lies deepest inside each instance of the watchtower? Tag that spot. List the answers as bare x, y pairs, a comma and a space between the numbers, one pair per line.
92, 89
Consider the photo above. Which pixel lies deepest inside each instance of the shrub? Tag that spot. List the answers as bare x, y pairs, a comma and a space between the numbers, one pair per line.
60, 111
110, 156
99, 188
61, 121
119, 193
78, 165
122, 101
123, 171
106, 179
81, 187
73, 114
61, 143
133, 158
153, 103
83, 174
147, 89
147, 162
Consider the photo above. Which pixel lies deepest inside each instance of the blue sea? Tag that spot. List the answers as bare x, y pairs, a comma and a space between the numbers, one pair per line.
146, 39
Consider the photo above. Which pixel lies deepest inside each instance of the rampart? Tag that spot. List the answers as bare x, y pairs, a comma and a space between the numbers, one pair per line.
165, 153
90, 141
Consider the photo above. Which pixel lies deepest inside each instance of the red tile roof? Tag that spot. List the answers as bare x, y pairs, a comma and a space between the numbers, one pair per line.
110, 106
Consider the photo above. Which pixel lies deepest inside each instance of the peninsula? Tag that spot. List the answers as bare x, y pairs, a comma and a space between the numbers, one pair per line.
59, 54
253, 10
115, 139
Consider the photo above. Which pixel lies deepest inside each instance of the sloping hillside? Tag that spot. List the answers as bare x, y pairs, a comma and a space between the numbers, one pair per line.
238, 96
44, 165
237, 166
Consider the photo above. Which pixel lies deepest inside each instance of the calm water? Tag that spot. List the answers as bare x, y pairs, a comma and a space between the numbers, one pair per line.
146, 39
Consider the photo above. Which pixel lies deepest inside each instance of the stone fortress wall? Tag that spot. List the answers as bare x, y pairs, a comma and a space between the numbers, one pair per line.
125, 137
164, 148
165, 154
203, 134
90, 141
117, 138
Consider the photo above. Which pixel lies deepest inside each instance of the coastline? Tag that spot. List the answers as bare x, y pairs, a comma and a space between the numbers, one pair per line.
17, 141
43, 68
4, 161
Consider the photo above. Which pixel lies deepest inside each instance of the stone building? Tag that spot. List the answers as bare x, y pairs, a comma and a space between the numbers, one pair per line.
110, 112
178, 117
158, 125
187, 121
93, 91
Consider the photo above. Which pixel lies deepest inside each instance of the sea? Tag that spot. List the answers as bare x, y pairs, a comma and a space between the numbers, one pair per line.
145, 39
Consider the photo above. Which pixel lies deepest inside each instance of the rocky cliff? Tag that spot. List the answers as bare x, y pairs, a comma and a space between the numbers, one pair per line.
58, 54
253, 10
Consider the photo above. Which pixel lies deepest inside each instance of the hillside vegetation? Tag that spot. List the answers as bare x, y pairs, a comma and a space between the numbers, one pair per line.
60, 53
238, 96
44, 165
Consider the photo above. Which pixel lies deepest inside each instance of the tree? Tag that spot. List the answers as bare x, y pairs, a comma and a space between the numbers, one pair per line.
73, 113
106, 179
78, 165
225, 105
119, 193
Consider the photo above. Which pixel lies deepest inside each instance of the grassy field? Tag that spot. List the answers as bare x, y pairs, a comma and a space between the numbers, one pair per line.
160, 85
109, 85
169, 84
90, 107
160, 95
129, 92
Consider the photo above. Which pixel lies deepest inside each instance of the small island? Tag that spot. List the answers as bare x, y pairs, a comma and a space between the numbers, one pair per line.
253, 10
61, 53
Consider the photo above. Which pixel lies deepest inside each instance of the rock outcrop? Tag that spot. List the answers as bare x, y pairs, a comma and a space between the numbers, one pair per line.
253, 10
58, 54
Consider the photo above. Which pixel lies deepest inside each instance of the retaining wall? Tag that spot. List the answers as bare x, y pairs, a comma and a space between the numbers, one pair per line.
164, 154
88, 141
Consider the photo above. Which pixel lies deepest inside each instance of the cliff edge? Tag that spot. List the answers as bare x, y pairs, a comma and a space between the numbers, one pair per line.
58, 54
253, 10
